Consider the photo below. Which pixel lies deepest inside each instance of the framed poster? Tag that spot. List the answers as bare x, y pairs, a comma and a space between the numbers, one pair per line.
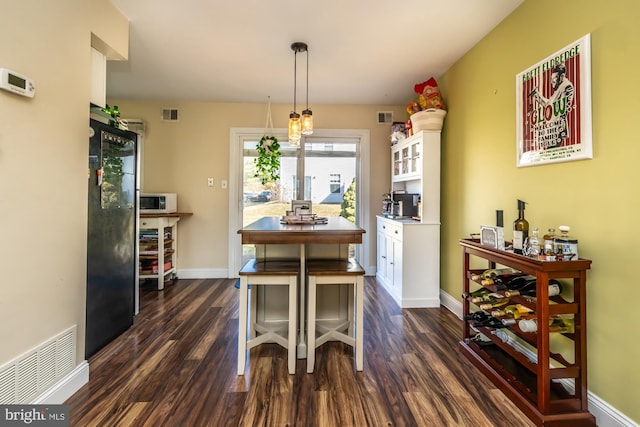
553, 107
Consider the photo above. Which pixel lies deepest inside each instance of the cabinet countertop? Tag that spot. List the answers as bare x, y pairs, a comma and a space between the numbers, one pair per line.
167, 215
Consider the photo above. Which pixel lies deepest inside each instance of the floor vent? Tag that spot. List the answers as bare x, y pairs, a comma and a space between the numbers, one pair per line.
385, 117
26, 377
170, 115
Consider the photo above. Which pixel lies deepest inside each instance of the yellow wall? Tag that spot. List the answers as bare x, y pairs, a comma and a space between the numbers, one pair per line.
598, 198
43, 167
179, 156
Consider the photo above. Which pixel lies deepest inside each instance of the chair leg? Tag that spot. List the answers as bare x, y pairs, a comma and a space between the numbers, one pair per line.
242, 325
359, 290
293, 304
311, 325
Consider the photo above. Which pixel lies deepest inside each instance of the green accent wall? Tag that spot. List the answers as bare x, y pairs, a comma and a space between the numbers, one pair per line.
599, 198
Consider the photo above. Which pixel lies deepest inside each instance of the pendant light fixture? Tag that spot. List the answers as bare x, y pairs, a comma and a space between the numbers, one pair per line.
307, 115
295, 124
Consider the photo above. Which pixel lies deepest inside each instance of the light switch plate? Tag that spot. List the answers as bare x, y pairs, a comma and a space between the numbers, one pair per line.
223, 183
209, 182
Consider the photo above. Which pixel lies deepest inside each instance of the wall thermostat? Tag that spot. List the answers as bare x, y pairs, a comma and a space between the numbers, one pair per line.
17, 83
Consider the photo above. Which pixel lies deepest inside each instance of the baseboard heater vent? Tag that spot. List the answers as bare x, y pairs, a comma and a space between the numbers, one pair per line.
27, 376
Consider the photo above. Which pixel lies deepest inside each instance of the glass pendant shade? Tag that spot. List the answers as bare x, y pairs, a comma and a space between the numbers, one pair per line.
307, 122
294, 128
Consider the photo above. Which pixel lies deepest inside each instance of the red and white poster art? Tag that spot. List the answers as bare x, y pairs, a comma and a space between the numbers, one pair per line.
553, 107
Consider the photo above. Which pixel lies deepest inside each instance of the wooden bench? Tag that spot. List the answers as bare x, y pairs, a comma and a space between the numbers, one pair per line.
267, 273
336, 272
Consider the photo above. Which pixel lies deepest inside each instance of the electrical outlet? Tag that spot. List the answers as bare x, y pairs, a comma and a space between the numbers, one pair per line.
223, 183
209, 182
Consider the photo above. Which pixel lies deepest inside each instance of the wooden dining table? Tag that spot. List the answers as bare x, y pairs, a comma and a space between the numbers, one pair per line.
332, 238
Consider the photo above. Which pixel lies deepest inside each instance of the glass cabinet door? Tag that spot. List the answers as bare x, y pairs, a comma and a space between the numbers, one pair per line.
396, 163
415, 158
405, 160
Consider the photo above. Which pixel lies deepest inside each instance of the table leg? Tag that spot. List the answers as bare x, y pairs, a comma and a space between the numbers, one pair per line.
302, 342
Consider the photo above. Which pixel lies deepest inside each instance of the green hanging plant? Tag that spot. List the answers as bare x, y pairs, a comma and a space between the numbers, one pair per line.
268, 160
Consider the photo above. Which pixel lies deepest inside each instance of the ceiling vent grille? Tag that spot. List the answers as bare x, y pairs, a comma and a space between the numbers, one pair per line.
170, 115
385, 117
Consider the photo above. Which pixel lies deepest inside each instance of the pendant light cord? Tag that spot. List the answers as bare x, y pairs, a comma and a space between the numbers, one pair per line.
295, 79
307, 78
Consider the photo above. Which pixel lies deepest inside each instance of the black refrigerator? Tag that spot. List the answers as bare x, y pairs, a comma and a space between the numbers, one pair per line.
111, 239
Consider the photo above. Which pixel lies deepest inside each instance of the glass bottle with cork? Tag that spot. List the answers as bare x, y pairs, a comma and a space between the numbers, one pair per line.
520, 229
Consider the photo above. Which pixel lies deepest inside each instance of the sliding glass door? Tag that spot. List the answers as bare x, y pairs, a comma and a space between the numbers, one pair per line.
326, 169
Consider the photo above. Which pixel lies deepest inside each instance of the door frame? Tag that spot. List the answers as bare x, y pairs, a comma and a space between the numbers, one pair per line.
236, 138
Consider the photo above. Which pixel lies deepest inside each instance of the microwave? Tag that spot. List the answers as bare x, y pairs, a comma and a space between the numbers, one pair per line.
151, 203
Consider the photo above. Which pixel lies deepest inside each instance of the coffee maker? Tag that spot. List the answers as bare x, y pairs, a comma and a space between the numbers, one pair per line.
405, 205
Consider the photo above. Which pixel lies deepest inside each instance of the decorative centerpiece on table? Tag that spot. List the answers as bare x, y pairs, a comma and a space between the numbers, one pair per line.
427, 112
268, 161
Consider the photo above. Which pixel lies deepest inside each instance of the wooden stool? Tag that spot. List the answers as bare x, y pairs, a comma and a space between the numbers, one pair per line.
267, 273
336, 272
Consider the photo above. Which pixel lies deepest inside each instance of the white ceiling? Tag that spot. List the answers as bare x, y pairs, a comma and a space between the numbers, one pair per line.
360, 51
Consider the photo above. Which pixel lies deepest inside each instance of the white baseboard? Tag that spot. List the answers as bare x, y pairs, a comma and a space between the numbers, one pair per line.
66, 387
203, 273
606, 415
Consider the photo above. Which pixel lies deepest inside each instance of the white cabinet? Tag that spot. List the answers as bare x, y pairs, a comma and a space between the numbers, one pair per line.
408, 263
157, 248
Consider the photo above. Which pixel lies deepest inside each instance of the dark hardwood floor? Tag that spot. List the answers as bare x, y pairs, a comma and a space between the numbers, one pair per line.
176, 366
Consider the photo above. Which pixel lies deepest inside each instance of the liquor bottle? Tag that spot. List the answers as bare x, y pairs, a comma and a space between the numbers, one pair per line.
520, 229
555, 288
494, 272
508, 281
534, 243
477, 293
556, 324
549, 248
515, 311
494, 304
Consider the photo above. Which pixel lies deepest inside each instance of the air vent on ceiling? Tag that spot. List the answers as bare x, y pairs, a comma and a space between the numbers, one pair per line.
385, 117
170, 115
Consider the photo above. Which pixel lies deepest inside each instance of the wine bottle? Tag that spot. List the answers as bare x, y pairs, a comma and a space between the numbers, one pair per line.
515, 311
491, 322
556, 324
494, 304
488, 298
507, 281
494, 272
477, 293
520, 229
477, 316
555, 288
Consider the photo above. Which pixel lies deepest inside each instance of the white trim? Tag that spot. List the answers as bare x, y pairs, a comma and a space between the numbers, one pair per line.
66, 387
235, 185
606, 415
205, 273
